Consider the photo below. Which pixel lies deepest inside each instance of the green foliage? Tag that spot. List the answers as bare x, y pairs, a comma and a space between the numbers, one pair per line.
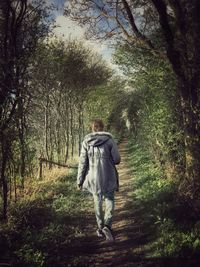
174, 228
108, 102
67, 85
61, 95
23, 25
31, 258
154, 117
43, 226
174, 242
149, 184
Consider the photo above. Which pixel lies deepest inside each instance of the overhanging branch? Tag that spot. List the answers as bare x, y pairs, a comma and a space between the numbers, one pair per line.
173, 54
141, 38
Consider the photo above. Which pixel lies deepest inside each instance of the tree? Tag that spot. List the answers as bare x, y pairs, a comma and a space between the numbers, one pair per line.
154, 119
21, 25
176, 25
60, 95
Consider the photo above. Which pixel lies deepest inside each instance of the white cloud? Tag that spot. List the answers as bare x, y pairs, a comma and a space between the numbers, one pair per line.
70, 29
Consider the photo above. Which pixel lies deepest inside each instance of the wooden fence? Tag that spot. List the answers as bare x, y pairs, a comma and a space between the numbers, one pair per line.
43, 160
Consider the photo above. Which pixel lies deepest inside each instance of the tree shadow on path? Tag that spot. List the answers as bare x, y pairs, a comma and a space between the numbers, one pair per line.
134, 231
68, 239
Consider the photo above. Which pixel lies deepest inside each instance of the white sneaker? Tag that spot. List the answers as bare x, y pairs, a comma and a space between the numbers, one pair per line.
108, 234
100, 233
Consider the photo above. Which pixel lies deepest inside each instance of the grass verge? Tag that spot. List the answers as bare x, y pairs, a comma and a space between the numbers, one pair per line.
174, 230
45, 225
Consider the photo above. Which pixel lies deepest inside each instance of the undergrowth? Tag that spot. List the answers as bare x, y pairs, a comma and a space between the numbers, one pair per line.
44, 226
175, 229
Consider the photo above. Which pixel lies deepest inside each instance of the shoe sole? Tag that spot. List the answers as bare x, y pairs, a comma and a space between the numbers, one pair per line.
108, 235
100, 235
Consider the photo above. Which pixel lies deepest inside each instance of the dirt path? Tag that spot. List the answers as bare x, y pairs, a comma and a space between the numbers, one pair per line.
127, 250
68, 239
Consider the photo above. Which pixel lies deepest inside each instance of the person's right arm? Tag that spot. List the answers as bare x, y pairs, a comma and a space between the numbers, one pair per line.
83, 165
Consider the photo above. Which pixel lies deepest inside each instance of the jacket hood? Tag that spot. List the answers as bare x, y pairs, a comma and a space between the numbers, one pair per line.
97, 138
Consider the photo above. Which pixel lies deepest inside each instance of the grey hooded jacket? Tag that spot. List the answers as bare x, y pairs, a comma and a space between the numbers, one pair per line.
99, 155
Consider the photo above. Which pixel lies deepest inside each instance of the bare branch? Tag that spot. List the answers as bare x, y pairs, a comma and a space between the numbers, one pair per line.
173, 54
143, 39
116, 16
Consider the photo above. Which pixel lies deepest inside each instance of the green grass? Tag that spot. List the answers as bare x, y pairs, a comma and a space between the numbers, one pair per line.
46, 227
42, 229
173, 228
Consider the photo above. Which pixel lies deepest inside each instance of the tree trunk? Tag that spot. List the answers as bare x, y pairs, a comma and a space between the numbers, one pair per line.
46, 127
51, 141
21, 129
72, 129
183, 52
4, 149
79, 129
82, 120
15, 187
67, 137
58, 137
40, 169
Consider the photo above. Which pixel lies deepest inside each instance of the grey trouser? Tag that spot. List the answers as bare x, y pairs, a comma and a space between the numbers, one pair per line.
109, 208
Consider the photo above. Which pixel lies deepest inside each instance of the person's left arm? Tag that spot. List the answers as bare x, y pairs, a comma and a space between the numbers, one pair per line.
115, 153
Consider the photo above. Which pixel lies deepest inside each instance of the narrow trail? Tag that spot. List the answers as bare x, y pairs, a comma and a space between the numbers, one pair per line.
68, 239
127, 250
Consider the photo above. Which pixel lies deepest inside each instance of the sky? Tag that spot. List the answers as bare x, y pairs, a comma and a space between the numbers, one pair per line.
68, 28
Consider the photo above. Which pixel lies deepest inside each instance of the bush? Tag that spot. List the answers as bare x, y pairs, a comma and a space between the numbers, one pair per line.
177, 231
42, 226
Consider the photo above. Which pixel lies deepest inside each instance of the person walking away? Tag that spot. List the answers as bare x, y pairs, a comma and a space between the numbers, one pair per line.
98, 175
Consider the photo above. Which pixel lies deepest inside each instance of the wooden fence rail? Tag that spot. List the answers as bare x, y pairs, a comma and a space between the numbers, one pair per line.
43, 160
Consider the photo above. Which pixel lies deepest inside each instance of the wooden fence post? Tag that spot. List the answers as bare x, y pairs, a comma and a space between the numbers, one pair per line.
40, 168
41, 160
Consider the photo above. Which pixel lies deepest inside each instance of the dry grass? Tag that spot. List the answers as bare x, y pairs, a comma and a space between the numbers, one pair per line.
50, 176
